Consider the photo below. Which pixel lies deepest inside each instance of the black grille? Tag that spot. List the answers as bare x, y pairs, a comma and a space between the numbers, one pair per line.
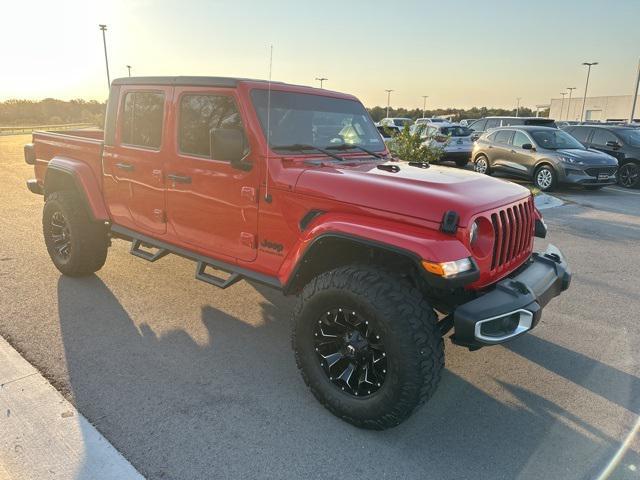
513, 231
595, 171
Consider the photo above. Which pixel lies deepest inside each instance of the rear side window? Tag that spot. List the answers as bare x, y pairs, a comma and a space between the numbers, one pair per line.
478, 126
503, 136
198, 115
512, 121
142, 119
580, 133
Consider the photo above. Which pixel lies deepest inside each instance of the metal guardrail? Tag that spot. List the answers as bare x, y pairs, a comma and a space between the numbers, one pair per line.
13, 130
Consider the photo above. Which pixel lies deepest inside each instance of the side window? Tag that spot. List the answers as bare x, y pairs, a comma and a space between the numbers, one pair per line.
580, 133
142, 119
512, 121
503, 136
198, 115
602, 136
520, 139
492, 123
478, 126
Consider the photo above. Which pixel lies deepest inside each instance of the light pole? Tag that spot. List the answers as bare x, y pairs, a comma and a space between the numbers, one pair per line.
584, 99
562, 104
424, 104
388, 100
321, 80
518, 105
571, 89
129, 68
106, 60
635, 95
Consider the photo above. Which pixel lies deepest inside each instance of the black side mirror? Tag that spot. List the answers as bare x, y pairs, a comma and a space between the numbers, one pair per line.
229, 144
613, 144
527, 146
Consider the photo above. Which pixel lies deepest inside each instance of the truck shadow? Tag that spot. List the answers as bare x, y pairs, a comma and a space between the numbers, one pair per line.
236, 407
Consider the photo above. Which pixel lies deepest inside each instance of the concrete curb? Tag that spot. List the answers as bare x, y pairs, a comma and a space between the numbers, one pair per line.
43, 436
544, 201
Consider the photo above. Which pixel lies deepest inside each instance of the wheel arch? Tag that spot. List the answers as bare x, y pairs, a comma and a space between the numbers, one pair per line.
69, 174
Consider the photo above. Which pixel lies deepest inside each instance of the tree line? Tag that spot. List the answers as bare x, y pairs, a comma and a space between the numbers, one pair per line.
51, 112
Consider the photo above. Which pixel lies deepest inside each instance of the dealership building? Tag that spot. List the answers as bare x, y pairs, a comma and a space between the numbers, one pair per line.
598, 109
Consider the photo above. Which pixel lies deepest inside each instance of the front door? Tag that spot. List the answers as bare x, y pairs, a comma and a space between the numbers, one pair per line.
521, 161
133, 182
211, 205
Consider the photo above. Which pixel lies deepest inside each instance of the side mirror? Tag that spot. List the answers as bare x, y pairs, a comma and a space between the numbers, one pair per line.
228, 144
613, 144
527, 146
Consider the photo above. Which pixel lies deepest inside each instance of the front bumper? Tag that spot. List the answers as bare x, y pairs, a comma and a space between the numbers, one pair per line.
515, 305
581, 177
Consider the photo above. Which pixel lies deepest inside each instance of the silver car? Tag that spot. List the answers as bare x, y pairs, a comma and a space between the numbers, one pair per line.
548, 156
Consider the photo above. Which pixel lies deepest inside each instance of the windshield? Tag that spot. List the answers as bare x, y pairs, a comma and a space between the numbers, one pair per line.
401, 122
553, 139
631, 137
456, 131
299, 118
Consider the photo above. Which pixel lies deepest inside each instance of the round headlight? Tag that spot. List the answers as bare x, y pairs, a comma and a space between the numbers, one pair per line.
481, 237
473, 233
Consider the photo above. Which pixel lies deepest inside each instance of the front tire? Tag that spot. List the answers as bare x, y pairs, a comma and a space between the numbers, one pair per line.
629, 175
545, 178
481, 165
76, 244
368, 345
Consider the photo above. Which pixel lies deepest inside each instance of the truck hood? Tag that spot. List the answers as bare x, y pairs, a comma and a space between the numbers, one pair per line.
424, 193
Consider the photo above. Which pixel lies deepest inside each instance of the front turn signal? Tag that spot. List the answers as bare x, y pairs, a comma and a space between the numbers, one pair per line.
448, 269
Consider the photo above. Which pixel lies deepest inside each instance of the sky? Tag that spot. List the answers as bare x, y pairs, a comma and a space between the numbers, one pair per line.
460, 53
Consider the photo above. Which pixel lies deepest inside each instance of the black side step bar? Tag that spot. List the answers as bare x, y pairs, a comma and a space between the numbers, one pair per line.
136, 249
236, 273
213, 280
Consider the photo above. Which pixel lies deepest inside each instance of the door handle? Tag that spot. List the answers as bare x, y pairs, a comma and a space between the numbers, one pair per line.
125, 166
175, 178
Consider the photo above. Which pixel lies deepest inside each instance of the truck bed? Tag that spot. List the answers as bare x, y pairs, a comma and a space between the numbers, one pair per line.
82, 145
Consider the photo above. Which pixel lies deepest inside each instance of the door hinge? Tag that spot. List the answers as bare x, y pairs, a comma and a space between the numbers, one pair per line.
160, 215
248, 239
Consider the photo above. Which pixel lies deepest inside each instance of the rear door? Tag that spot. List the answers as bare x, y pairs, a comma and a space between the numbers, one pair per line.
211, 205
581, 134
134, 165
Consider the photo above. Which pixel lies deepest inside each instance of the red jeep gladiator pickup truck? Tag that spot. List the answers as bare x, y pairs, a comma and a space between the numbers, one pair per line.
293, 187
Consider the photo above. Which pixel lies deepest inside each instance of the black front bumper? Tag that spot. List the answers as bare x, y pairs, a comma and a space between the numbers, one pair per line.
515, 305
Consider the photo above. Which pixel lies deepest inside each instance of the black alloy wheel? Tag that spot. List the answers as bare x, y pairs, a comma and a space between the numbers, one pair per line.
351, 352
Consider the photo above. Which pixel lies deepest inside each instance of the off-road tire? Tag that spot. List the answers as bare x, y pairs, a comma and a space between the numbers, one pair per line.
409, 330
541, 182
87, 239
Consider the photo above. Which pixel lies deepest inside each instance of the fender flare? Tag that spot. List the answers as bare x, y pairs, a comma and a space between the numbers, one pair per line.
85, 182
417, 243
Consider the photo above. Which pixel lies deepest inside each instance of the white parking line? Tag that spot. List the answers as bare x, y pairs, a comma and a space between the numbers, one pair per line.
620, 190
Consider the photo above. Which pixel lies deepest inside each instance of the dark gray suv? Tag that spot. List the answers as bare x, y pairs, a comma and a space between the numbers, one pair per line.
546, 155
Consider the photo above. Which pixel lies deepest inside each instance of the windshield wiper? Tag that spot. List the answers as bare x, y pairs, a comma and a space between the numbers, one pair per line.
346, 146
301, 147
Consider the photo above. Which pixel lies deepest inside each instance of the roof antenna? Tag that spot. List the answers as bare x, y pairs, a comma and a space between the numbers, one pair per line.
267, 196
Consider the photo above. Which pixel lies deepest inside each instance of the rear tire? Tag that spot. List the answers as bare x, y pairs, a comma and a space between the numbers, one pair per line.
76, 244
545, 178
462, 163
393, 324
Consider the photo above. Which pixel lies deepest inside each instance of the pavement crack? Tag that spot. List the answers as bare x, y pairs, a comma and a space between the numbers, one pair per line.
17, 379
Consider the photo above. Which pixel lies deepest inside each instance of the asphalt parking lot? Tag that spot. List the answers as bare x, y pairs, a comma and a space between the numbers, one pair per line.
192, 382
